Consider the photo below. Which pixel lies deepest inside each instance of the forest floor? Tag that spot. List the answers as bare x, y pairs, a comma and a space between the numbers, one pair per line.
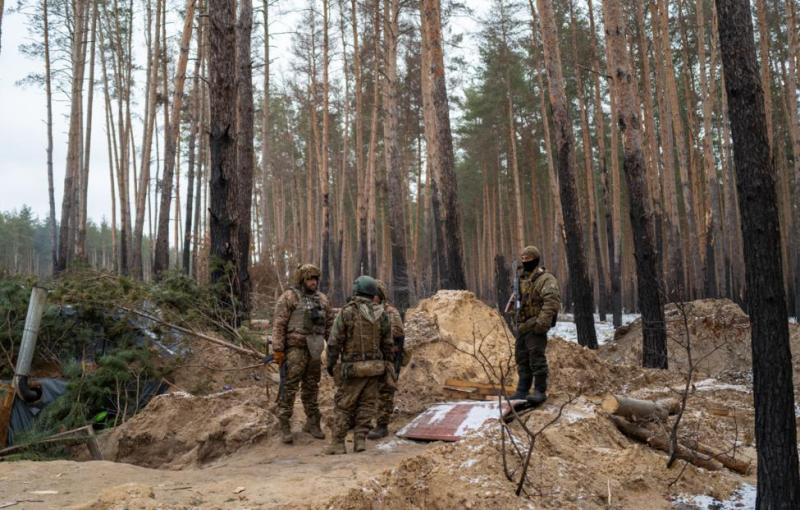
212, 441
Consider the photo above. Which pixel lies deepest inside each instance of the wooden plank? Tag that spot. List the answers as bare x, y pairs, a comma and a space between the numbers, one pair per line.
484, 388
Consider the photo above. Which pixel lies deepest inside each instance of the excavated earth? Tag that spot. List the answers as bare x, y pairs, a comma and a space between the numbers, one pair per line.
211, 442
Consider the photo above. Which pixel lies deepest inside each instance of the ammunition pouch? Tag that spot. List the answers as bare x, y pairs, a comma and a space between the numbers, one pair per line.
316, 344
369, 368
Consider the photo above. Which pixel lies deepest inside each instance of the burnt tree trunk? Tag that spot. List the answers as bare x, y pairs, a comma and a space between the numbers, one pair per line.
776, 435
579, 279
654, 343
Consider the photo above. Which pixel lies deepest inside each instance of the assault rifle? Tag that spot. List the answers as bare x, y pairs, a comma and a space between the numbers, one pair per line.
516, 297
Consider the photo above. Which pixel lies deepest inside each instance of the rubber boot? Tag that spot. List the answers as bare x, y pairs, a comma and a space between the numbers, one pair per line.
380, 431
359, 442
523, 386
286, 432
336, 448
313, 428
539, 394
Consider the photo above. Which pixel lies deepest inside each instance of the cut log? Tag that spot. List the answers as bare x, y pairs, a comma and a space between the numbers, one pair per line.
660, 442
741, 466
640, 410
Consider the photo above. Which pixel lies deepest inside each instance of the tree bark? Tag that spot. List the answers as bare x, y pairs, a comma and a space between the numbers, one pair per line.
325, 177
83, 182
794, 118
447, 219
626, 113
244, 149
565, 141
773, 393
172, 131
49, 94
194, 158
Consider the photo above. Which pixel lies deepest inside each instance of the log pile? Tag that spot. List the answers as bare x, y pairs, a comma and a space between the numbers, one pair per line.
643, 420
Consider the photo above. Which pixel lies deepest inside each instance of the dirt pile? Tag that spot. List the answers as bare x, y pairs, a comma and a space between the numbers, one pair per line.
178, 430
581, 461
442, 334
719, 332
207, 368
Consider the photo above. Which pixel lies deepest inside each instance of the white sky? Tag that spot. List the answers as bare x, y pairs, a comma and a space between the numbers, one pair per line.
23, 135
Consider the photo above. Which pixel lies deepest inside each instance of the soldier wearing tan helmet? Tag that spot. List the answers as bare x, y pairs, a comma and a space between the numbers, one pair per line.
388, 386
540, 302
302, 321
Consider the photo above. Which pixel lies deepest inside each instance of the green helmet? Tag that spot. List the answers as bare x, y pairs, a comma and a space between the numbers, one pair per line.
381, 289
306, 272
365, 285
531, 253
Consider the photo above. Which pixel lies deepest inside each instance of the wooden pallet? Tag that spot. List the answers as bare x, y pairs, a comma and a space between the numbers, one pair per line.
462, 389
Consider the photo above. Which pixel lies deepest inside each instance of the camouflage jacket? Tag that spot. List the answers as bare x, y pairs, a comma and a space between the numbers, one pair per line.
395, 321
295, 315
541, 300
362, 331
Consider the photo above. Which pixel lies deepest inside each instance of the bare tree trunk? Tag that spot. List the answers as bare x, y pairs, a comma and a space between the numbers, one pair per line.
440, 142
49, 93
325, 180
794, 130
147, 143
395, 170
244, 149
194, 160
576, 258
626, 113
83, 185
171, 133
776, 435
74, 140
266, 252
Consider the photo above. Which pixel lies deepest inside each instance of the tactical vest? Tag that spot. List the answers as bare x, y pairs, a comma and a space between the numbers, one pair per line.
308, 317
365, 332
531, 299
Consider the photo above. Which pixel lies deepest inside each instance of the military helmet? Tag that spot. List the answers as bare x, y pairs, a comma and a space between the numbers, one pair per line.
365, 285
306, 272
531, 252
381, 289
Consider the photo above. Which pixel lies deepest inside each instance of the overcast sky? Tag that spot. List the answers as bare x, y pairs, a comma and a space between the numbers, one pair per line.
23, 135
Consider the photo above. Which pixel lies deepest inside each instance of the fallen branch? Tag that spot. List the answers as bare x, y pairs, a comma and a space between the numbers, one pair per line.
64, 437
737, 465
661, 442
640, 410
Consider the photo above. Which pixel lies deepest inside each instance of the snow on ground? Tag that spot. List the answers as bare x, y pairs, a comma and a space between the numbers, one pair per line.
565, 327
744, 498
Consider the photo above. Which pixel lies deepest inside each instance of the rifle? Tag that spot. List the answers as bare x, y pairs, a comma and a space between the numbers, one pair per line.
282, 372
516, 297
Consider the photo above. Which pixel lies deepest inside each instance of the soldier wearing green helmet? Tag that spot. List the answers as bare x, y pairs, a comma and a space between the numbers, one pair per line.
302, 321
540, 302
359, 353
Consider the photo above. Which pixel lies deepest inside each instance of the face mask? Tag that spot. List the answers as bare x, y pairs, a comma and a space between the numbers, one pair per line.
530, 265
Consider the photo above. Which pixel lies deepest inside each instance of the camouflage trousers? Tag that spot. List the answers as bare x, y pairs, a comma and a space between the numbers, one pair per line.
529, 353
354, 404
302, 373
386, 391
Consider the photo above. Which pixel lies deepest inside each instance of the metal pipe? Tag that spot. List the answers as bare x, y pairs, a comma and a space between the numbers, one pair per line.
32, 322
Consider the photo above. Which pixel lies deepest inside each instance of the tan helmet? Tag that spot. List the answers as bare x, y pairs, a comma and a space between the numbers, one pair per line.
531, 252
382, 290
306, 272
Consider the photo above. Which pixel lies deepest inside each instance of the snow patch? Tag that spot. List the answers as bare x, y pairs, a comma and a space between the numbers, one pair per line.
714, 385
566, 329
743, 498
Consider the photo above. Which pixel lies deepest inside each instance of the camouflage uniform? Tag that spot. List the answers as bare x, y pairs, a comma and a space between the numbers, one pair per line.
360, 333
541, 301
299, 314
389, 387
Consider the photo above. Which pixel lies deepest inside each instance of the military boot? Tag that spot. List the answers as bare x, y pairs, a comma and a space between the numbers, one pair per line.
378, 432
286, 432
336, 448
523, 386
359, 442
313, 428
539, 394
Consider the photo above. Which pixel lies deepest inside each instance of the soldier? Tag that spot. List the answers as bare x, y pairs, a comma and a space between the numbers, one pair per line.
540, 302
303, 319
362, 336
389, 385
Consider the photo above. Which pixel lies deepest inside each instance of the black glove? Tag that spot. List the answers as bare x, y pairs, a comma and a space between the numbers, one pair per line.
333, 356
527, 326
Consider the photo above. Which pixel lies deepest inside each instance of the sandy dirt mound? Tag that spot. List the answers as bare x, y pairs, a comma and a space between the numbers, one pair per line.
720, 337
578, 463
177, 430
209, 368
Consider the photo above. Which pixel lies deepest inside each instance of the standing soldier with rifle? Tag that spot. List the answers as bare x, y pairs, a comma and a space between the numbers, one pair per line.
389, 385
537, 301
362, 337
302, 321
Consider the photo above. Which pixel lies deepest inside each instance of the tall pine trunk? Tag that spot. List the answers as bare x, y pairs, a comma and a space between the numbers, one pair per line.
579, 279
626, 113
49, 94
773, 393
